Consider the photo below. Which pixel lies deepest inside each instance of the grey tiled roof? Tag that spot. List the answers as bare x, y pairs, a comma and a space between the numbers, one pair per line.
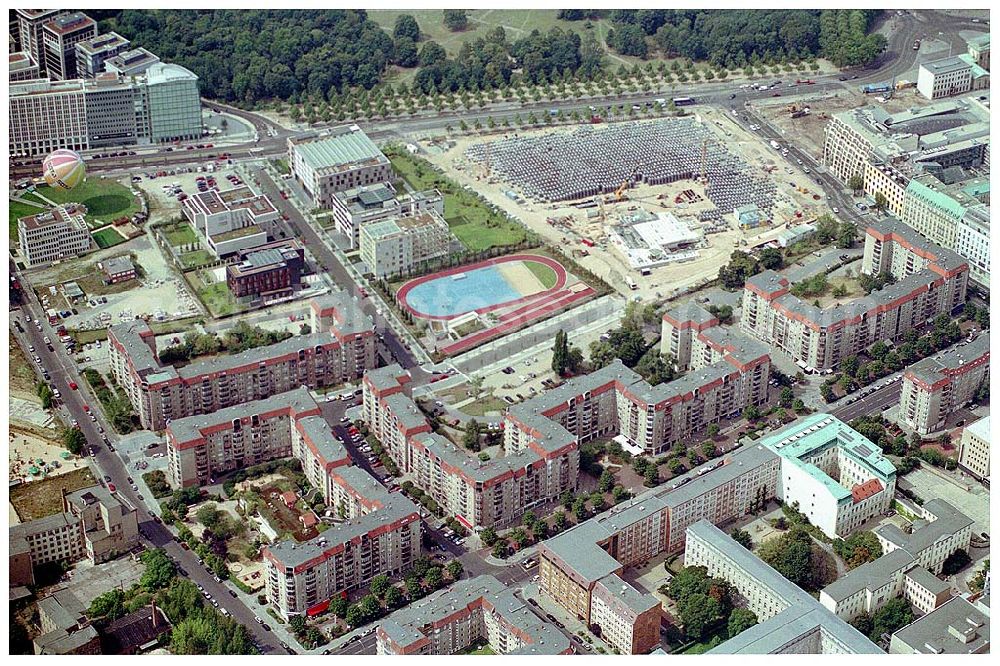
404, 626
948, 520
690, 311
577, 550
932, 369
872, 575
292, 554
943, 257
617, 592
803, 614
385, 377
935, 633
190, 427
475, 469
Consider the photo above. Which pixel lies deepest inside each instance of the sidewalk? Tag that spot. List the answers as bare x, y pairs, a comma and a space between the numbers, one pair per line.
279, 630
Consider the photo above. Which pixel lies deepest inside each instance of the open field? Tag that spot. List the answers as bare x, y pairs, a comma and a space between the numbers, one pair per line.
809, 130
180, 234
469, 218
196, 258
18, 210
28, 446
106, 200
545, 275
43, 498
160, 293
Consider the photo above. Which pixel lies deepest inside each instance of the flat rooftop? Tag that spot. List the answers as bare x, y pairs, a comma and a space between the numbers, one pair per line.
338, 149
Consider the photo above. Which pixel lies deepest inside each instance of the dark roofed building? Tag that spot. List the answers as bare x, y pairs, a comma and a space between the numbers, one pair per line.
135, 632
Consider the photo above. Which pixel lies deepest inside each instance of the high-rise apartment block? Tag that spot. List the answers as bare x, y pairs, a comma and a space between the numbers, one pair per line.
340, 348
935, 387
472, 610
930, 281
60, 36
581, 567
731, 373
494, 493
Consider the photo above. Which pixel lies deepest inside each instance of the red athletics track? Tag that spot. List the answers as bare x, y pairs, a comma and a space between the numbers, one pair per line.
561, 278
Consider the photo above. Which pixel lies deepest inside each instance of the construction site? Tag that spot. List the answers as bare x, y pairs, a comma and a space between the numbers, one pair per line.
806, 117
602, 192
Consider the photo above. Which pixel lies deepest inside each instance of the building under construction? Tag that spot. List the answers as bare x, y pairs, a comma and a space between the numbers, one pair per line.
592, 161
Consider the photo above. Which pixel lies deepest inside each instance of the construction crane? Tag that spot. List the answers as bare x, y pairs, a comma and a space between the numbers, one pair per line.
620, 192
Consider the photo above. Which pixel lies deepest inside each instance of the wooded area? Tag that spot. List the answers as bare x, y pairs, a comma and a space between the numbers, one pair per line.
254, 55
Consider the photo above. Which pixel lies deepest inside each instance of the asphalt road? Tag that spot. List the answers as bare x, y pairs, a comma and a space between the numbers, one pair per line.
897, 59
297, 227
872, 403
62, 371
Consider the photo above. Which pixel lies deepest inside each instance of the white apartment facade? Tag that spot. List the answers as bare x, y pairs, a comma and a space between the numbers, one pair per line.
398, 246
974, 449
54, 235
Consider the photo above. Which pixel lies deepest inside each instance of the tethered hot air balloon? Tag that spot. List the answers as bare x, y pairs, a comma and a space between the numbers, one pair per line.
64, 169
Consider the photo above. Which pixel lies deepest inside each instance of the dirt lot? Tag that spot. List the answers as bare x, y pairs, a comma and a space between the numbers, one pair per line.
573, 223
808, 131
43, 498
161, 293
22, 376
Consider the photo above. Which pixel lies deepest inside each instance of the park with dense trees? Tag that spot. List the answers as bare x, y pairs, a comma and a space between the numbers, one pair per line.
252, 56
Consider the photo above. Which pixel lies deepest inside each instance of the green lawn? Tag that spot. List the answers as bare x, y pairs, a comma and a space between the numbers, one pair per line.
196, 258
180, 234
31, 196
108, 237
282, 166
106, 200
468, 216
17, 211
544, 273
